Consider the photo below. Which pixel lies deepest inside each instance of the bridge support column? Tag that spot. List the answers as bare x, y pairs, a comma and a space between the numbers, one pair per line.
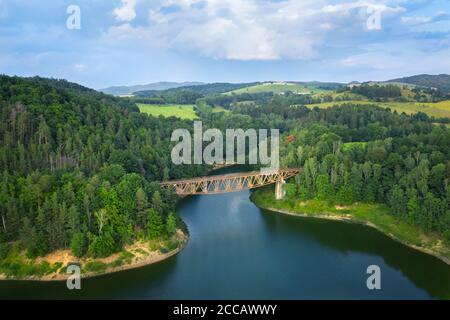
279, 194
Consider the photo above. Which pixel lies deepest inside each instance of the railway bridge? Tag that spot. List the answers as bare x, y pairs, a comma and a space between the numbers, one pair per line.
232, 182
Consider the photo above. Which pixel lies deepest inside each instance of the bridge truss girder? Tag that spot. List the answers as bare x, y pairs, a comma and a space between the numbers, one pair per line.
229, 182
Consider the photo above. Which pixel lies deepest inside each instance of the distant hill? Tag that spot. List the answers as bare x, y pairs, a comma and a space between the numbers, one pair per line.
202, 89
126, 90
273, 86
440, 82
322, 85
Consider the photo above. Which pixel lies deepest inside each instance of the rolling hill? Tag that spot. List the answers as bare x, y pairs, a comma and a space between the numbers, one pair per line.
440, 82
127, 90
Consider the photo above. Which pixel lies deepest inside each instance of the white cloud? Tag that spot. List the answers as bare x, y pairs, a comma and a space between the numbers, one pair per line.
127, 12
415, 20
79, 67
245, 29
420, 20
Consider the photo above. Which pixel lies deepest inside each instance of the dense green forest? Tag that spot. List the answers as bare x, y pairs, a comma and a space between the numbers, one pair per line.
186, 94
378, 92
78, 169
360, 153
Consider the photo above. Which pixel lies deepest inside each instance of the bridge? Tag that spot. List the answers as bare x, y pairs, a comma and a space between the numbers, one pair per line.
232, 182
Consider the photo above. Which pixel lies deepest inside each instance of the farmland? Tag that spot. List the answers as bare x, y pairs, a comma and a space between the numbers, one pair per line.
182, 111
274, 87
439, 109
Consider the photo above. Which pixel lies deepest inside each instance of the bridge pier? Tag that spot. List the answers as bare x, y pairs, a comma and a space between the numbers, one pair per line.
279, 194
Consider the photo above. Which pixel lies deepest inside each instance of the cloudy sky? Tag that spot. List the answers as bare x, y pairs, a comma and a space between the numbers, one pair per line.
141, 41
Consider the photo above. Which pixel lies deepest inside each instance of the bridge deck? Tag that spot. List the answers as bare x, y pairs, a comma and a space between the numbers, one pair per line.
229, 182
226, 176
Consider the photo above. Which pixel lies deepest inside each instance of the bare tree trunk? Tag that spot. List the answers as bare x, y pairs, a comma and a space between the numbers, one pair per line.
4, 225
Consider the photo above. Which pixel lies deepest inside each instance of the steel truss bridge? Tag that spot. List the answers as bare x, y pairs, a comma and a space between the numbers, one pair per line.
232, 182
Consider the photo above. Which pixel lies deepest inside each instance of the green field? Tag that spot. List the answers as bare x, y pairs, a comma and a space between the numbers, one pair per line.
217, 109
438, 109
183, 111
348, 146
273, 87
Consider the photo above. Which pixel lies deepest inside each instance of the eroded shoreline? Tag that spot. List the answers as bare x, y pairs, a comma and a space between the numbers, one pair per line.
145, 258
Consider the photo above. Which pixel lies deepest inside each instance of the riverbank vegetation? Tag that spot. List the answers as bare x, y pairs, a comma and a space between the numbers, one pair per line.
372, 214
362, 153
15, 263
80, 171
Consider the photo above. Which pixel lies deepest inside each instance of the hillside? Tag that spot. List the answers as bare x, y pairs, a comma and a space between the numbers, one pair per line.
127, 90
273, 87
200, 90
440, 82
79, 171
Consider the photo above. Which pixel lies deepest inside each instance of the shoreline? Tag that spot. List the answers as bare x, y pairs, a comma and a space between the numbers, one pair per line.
152, 257
57, 276
350, 219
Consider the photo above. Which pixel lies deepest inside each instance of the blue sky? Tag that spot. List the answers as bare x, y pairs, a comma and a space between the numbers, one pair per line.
141, 41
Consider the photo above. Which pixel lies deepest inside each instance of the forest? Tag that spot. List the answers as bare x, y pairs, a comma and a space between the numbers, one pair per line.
362, 153
80, 169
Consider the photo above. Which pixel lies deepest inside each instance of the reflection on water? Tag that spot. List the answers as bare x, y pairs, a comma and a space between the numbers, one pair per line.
239, 251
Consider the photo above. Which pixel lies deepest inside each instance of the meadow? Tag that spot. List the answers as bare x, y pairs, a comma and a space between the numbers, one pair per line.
438, 109
273, 87
182, 111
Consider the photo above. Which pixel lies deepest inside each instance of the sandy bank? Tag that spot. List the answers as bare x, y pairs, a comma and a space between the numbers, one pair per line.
139, 252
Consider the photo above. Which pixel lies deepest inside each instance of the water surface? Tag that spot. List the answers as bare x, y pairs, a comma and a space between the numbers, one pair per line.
238, 251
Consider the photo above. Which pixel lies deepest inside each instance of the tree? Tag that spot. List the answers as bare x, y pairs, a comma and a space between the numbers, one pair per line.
397, 200
412, 205
155, 224
102, 217
157, 202
103, 245
78, 245
141, 205
324, 188
171, 224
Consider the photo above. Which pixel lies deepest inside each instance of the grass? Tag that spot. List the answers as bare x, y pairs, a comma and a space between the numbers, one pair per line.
95, 266
272, 87
217, 109
183, 111
373, 214
14, 264
354, 146
437, 109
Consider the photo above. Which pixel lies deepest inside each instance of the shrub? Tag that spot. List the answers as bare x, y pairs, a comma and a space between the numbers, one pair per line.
102, 246
4, 250
95, 266
78, 245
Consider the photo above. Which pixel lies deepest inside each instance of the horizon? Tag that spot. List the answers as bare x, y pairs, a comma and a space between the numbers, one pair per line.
130, 42
204, 83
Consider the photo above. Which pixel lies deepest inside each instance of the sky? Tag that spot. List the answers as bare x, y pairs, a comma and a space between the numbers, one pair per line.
100, 43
